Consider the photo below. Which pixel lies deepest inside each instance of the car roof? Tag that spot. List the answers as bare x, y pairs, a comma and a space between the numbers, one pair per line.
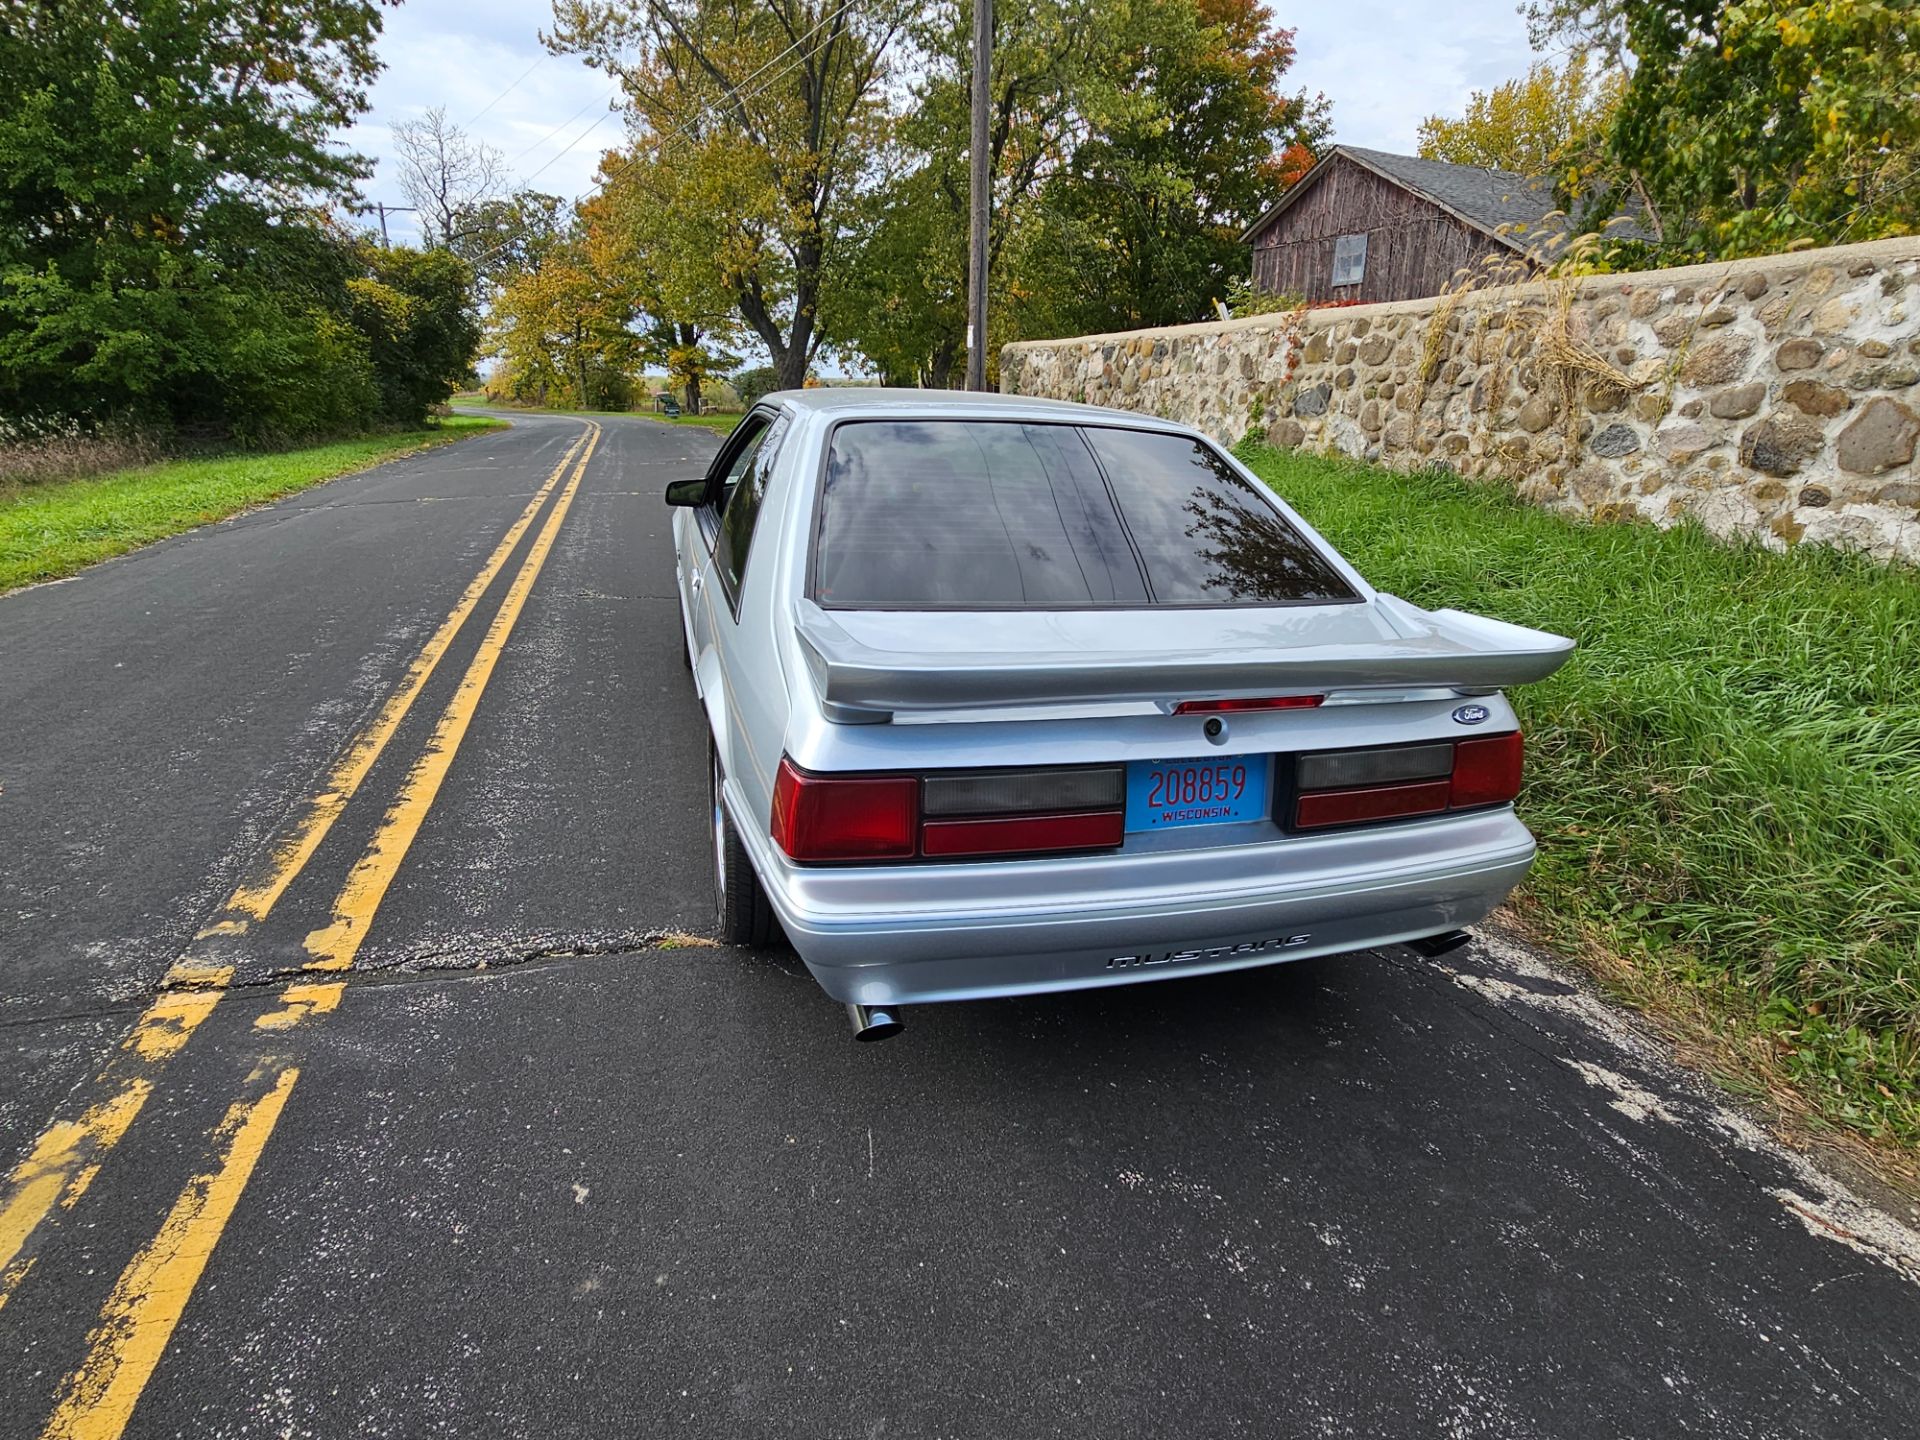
843, 402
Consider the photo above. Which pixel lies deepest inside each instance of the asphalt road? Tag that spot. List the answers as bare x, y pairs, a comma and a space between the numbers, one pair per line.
526, 1157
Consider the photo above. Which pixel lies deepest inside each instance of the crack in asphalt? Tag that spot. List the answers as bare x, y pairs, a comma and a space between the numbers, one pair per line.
424, 964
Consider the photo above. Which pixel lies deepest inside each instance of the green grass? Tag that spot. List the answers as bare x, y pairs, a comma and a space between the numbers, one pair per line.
51, 530
1725, 778
722, 423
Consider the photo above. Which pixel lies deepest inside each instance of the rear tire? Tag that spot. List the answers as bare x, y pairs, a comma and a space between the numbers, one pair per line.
743, 915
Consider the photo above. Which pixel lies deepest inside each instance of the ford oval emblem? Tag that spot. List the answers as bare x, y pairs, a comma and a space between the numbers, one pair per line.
1471, 714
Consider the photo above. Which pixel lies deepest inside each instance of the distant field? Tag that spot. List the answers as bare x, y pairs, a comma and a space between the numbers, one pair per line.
723, 423
48, 531
1725, 778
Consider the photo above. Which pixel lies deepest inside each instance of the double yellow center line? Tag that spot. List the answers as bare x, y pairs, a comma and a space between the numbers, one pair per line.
140, 1315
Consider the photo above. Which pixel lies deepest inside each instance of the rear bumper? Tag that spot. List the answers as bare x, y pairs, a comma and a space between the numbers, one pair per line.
906, 934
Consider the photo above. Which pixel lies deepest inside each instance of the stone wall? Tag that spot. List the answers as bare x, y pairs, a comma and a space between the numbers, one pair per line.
1774, 397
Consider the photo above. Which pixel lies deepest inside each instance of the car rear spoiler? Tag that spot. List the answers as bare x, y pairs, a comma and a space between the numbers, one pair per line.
916, 661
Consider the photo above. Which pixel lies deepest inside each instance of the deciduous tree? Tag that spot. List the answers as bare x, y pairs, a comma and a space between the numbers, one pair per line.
770, 115
904, 304
163, 166
449, 177
1753, 126
1184, 130
1542, 125
565, 330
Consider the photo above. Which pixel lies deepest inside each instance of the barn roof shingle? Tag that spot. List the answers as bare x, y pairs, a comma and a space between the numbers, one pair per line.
1501, 203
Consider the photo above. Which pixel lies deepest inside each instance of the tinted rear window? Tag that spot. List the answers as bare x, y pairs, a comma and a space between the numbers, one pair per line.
955, 514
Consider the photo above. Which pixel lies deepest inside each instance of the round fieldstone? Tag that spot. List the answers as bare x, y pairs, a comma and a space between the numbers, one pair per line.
1718, 361
1682, 443
1879, 438
1779, 445
1535, 415
1313, 401
1799, 354
1895, 376
1810, 397
1604, 398
1739, 402
1815, 496
1834, 317
1672, 330
1614, 441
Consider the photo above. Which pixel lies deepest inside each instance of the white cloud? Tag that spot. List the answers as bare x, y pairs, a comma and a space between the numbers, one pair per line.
464, 55
1387, 65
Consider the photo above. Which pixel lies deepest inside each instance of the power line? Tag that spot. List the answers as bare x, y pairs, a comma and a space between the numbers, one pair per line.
738, 95
538, 60
567, 149
558, 128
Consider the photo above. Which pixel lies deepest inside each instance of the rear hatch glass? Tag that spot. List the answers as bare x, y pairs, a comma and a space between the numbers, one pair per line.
1006, 515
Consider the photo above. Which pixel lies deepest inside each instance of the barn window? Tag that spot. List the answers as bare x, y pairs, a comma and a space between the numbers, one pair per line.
1349, 259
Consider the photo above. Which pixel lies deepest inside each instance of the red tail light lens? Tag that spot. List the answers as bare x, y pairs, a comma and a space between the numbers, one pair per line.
1486, 772
816, 817
1382, 802
1390, 783
1270, 702
1024, 834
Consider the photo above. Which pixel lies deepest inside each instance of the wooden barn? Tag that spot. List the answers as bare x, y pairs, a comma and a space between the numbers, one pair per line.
1365, 225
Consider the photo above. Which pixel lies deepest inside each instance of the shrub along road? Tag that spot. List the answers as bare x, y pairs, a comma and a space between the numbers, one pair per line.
513, 1155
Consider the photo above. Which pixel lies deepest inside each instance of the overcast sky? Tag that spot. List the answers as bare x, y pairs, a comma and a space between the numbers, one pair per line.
1385, 64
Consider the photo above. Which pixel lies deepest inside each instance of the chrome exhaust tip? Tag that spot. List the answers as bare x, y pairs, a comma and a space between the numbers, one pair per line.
1445, 943
875, 1022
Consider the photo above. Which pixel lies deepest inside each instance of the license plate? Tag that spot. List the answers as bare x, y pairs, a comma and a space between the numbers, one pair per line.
1166, 794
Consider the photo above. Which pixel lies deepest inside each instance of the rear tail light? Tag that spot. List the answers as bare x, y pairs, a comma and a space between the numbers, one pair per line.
1024, 834
999, 812
1486, 772
1268, 702
1343, 769
818, 817
1012, 792
1353, 787
1381, 802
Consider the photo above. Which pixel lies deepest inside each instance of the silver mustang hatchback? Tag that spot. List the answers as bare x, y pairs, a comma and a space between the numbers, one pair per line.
1011, 695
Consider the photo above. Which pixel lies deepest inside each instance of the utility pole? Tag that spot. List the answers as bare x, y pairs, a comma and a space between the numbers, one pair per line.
386, 210
981, 198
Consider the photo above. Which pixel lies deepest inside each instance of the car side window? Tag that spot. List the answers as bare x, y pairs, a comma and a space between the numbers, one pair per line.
742, 510
756, 427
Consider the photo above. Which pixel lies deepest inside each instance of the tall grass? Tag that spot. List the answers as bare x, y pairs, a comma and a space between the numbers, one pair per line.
65, 453
1725, 779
